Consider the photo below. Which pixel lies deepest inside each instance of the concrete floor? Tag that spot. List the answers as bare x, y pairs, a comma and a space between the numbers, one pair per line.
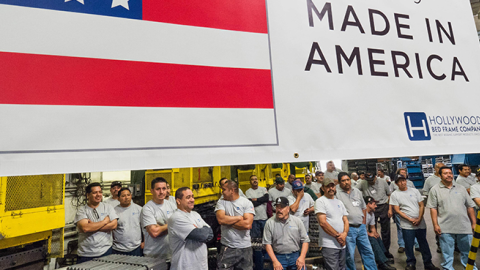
400, 258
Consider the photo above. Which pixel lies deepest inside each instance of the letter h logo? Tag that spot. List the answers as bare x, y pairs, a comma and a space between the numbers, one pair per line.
417, 126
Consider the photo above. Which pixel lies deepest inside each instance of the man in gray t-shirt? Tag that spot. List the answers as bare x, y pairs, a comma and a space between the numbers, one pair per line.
188, 234
464, 178
279, 190
127, 237
301, 203
453, 217
155, 215
313, 185
380, 191
432, 180
114, 188
235, 215
95, 222
332, 218
475, 191
357, 233
408, 204
259, 197
285, 238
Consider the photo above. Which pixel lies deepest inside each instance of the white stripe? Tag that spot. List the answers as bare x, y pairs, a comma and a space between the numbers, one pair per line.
50, 32
90, 127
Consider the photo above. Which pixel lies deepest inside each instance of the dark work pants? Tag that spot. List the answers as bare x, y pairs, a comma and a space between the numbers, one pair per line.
409, 237
381, 216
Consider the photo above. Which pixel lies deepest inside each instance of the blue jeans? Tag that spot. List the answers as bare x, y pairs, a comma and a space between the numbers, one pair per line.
81, 259
136, 252
288, 261
359, 237
379, 250
409, 238
447, 244
401, 242
257, 232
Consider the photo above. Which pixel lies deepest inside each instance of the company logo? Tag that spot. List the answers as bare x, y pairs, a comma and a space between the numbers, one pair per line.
417, 126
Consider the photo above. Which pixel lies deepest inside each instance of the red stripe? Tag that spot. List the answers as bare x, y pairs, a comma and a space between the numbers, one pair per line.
240, 15
60, 80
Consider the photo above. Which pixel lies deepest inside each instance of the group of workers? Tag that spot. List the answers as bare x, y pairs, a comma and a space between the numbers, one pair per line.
347, 209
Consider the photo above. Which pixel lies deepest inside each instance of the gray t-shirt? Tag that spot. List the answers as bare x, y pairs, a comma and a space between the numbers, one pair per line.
112, 202
408, 202
315, 187
305, 203
431, 181
128, 235
186, 253
370, 219
288, 185
475, 191
386, 178
331, 175
261, 210
379, 191
467, 182
232, 237
354, 204
285, 237
153, 213
451, 204
172, 199
94, 244
274, 193
334, 210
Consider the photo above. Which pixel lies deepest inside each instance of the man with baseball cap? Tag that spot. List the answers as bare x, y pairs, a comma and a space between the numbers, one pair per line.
408, 204
332, 218
285, 238
357, 233
383, 258
114, 188
301, 203
379, 190
279, 190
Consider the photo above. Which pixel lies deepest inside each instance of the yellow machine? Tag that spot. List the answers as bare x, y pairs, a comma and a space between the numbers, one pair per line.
204, 180
32, 210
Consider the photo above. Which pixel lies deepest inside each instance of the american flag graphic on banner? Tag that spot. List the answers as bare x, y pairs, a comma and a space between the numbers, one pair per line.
180, 57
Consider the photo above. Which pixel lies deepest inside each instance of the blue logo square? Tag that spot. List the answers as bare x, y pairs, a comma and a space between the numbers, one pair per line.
417, 126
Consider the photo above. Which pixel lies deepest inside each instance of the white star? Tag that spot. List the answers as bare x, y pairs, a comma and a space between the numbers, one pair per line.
123, 3
80, 1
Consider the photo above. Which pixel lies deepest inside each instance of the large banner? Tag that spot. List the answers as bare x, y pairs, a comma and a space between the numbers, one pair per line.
105, 85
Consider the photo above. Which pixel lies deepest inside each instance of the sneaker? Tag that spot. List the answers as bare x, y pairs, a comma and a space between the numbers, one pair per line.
388, 255
385, 266
410, 267
439, 250
430, 266
401, 250
417, 249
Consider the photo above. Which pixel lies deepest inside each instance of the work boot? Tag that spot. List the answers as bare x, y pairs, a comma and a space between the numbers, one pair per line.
401, 250
389, 257
430, 266
410, 267
385, 266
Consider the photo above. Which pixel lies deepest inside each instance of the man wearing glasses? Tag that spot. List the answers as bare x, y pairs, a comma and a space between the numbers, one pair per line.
95, 222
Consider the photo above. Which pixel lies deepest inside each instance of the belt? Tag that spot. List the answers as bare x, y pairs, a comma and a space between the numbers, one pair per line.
355, 225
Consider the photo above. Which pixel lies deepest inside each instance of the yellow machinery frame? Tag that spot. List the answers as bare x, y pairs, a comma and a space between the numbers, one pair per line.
29, 225
202, 180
